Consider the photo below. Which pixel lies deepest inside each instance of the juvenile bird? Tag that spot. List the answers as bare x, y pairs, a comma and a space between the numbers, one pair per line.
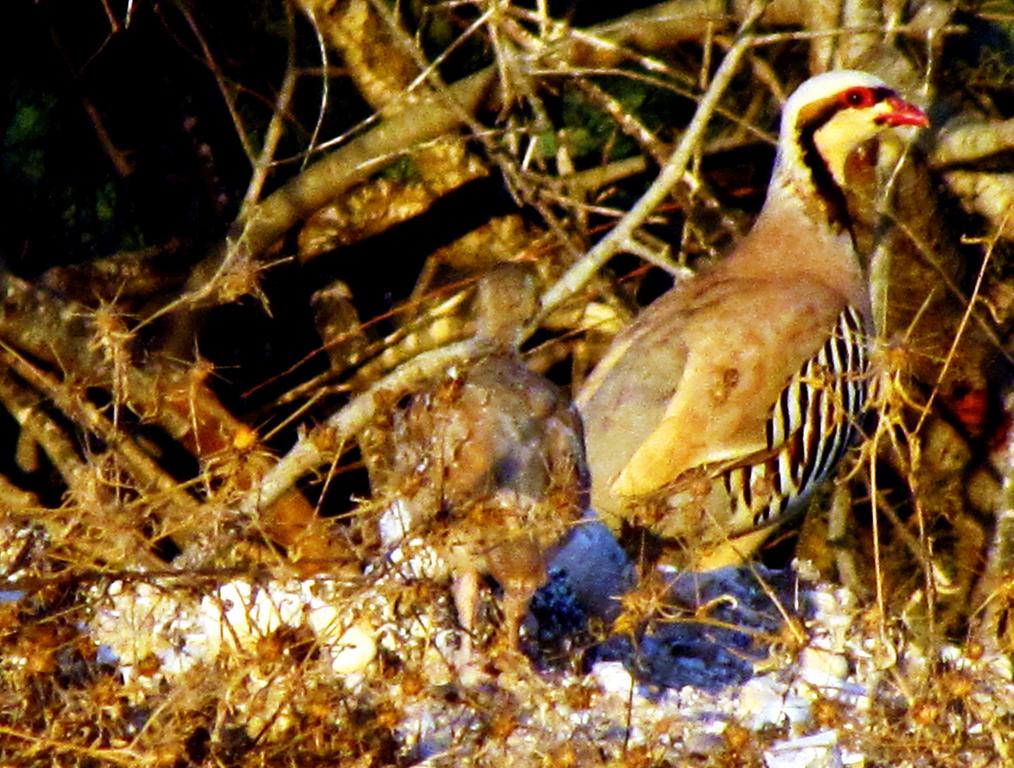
488, 466
713, 416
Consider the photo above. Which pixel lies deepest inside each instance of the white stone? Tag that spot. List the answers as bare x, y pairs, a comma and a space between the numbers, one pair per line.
395, 522
612, 677
823, 669
765, 701
354, 650
818, 750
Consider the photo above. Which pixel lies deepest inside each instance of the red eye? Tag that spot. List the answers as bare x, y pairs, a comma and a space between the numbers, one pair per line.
858, 97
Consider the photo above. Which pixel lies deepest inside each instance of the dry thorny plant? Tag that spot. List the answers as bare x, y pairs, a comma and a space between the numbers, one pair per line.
150, 479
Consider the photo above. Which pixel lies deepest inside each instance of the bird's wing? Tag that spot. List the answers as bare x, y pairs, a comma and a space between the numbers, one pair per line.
623, 400
741, 349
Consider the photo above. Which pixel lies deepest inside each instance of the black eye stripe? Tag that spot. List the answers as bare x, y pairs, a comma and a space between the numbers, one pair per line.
811, 120
882, 93
825, 184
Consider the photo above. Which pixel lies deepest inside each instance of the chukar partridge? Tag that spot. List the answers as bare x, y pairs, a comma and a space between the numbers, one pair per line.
729, 399
488, 466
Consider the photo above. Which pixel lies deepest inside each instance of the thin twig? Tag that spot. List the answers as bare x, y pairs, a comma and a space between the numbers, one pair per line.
968, 313
325, 88
273, 134
671, 174
317, 447
183, 509
220, 81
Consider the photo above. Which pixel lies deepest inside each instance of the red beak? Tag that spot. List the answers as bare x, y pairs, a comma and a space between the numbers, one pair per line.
903, 113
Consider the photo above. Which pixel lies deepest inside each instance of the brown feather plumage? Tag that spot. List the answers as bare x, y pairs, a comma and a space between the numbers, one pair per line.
686, 395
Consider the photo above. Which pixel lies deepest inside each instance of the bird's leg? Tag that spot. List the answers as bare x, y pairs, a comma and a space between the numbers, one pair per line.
466, 599
465, 591
515, 607
518, 565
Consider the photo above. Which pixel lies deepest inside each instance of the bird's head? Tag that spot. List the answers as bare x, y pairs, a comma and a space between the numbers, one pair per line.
829, 116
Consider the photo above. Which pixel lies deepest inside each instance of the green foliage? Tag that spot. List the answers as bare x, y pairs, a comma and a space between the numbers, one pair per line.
31, 123
590, 129
402, 169
86, 201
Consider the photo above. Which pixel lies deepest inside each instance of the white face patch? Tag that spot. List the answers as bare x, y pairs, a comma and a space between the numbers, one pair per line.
844, 132
831, 137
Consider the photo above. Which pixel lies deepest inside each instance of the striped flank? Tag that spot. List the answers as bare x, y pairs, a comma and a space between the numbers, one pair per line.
808, 429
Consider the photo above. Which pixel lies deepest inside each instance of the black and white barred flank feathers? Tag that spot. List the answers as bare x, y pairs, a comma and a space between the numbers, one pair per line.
808, 429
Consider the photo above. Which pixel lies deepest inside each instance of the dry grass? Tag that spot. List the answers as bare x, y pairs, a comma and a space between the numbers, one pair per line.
195, 565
